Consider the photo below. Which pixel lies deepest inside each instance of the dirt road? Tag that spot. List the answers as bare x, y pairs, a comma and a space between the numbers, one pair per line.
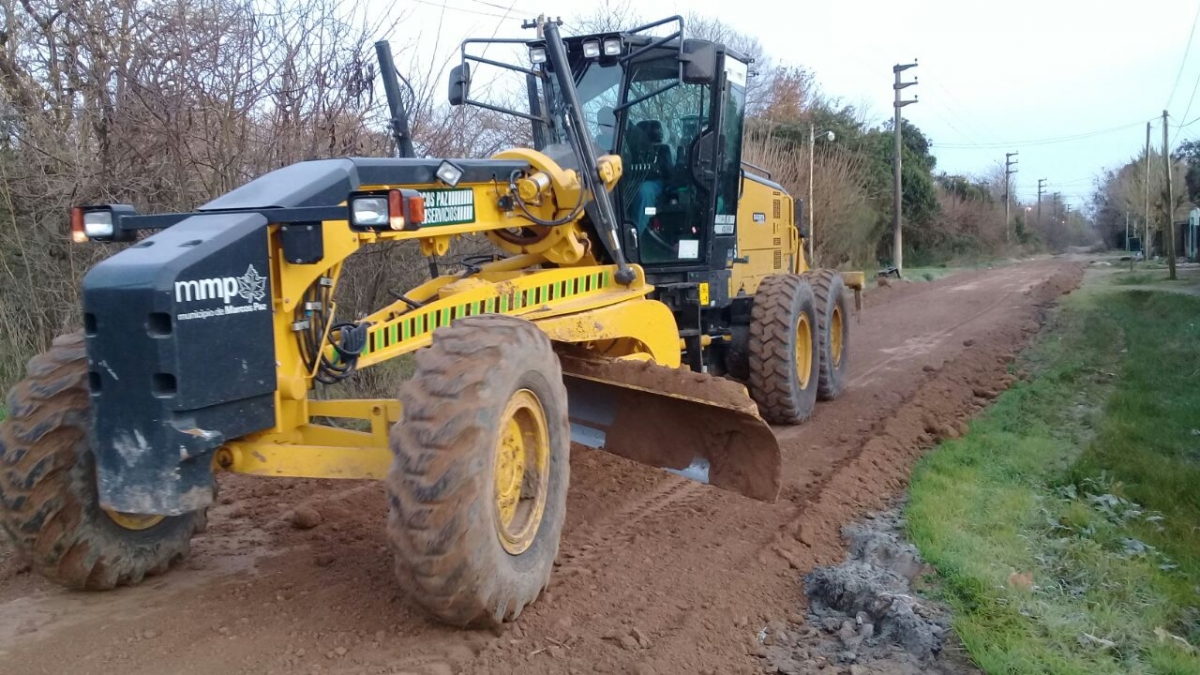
657, 574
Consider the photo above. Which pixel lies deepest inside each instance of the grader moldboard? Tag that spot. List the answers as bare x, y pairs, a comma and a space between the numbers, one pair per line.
647, 282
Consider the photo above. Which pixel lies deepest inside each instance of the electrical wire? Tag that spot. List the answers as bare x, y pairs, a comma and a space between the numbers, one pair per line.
1191, 99
507, 9
1042, 141
466, 10
1183, 61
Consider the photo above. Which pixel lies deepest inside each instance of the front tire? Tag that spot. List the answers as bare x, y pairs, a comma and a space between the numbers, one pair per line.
478, 487
783, 349
49, 504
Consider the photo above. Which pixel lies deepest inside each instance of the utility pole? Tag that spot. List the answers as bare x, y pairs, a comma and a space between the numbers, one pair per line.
1041, 187
1169, 232
1146, 239
1008, 172
1127, 230
897, 202
812, 170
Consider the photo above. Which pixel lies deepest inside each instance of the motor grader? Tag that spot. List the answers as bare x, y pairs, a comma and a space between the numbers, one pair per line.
650, 298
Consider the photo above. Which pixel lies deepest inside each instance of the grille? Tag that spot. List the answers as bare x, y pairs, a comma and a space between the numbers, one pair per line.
778, 208
778, 259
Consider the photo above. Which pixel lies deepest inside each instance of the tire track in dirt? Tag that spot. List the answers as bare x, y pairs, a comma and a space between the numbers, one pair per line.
696, 571
675, 490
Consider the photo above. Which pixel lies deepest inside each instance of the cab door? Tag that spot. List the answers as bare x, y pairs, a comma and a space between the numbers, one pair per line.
729, 183
669, 144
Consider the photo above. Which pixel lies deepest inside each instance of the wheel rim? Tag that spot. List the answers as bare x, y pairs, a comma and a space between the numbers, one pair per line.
522, 471
835, 337
803, 351
133, 521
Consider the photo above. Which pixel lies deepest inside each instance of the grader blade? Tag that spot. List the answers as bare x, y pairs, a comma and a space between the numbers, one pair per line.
697, 426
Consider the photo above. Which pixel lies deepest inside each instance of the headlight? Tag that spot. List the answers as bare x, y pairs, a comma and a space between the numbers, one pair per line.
369, 211
448, 173
591, 49
391, 210
612, 47
537, 55
98, 224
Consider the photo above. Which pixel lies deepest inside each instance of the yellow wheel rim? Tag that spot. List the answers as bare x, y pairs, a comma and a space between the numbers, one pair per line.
804, 345
133, 521
835, 336
522, 471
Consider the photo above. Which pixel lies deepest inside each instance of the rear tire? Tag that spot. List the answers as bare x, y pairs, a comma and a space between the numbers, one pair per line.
833, 332
472, 544
49, 505
783, 349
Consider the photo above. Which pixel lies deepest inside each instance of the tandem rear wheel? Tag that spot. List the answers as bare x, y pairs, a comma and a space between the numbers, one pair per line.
783, 351
478, 486
833, 332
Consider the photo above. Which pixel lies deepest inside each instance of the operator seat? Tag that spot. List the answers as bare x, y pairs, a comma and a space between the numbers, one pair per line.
658, 152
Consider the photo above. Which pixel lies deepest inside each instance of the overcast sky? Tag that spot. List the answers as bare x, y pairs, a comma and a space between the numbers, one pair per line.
1009, 76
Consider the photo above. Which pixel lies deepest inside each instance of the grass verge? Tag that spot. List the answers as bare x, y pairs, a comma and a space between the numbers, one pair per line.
1064, 525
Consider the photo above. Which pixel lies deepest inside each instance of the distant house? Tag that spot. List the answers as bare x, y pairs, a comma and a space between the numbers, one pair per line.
1187, 238
1191, 233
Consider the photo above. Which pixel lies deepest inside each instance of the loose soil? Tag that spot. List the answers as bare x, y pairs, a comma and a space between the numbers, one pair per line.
864, 616
656, 574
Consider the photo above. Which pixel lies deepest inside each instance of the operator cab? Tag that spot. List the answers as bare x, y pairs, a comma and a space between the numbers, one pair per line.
679, 139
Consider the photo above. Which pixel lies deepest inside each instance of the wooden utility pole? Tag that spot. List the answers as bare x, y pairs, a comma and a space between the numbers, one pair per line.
1041, 187
1169, 231
898, 200
1008, 172
1146, 222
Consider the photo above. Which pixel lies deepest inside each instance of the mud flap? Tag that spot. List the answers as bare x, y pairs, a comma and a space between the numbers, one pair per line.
697, 426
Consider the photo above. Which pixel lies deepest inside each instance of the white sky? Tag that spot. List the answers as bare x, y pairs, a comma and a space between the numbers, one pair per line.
996, 74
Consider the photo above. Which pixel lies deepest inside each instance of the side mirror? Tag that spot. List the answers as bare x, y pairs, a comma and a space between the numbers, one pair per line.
460, 83
699, 62
801, 225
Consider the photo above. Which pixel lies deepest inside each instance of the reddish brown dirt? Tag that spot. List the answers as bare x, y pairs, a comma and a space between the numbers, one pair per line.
656, 574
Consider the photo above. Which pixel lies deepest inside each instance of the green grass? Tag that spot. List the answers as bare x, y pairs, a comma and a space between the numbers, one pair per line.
1155, 277
1088, 478
1136, 278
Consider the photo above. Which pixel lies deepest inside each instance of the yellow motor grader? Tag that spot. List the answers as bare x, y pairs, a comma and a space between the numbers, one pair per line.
652, 299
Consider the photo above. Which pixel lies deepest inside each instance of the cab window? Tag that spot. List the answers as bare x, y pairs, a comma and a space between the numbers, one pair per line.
658, 194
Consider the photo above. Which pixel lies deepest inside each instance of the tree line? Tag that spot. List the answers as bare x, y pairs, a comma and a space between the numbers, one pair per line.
166, 104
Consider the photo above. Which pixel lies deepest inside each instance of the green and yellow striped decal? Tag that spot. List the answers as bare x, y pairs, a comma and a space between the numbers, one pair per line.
421, 322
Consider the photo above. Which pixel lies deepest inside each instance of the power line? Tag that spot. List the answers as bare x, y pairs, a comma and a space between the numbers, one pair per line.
1183, 62
1041, 141
971, 120
1189, 105
507, 9
466, 10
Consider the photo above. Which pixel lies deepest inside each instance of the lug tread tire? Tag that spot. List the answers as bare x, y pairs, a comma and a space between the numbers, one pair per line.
830, 291
774, 383
440, 522
49, 505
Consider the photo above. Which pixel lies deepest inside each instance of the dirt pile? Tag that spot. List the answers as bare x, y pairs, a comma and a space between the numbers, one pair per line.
863, 617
